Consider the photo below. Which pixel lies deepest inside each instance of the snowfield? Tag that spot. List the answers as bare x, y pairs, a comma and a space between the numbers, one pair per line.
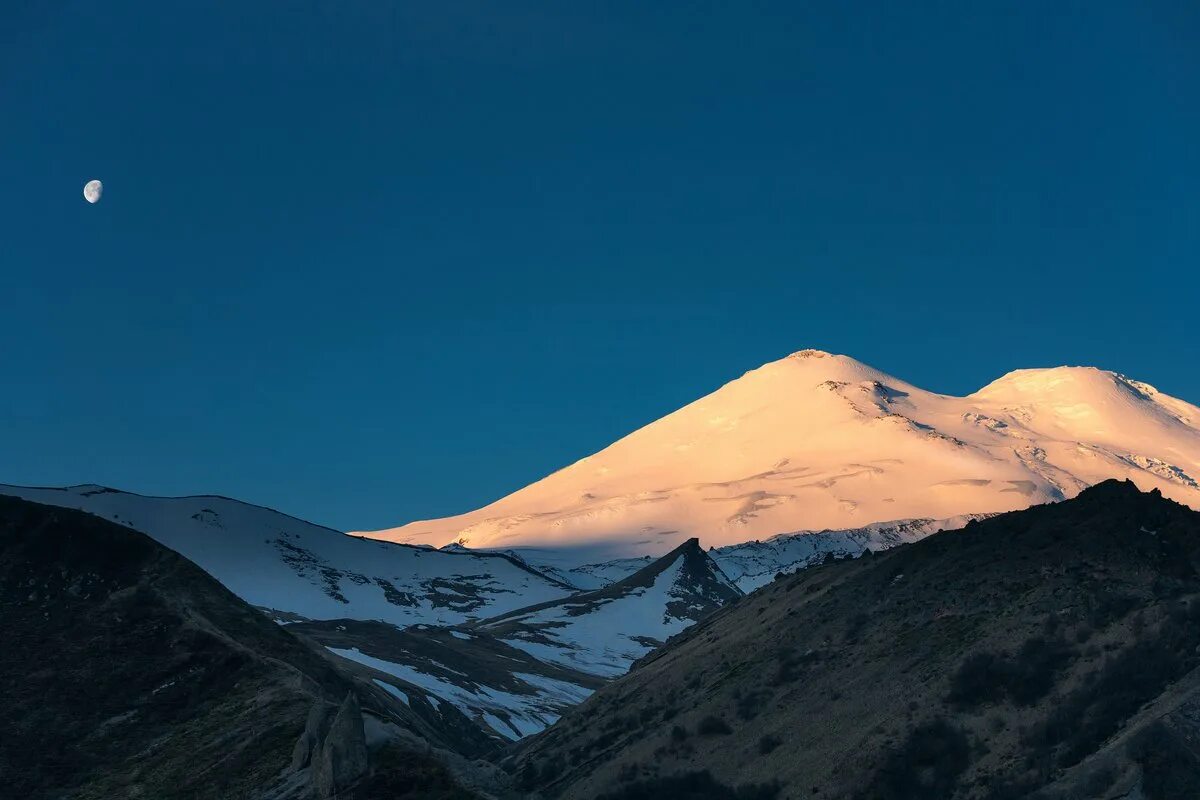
818, 442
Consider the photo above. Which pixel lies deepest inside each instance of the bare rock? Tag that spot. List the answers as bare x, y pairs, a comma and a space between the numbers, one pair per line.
342, 757
319, 717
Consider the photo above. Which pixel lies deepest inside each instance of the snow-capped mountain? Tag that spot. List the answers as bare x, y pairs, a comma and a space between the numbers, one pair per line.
817, 441
297, 570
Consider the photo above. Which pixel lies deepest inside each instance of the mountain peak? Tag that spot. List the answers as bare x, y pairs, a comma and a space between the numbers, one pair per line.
811, 353
805, 370
822, 360
1063, 380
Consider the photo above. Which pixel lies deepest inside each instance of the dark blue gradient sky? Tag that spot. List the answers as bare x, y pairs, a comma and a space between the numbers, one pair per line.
372, 261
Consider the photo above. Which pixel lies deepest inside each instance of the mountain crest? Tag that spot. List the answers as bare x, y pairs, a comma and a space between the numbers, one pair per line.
811, 353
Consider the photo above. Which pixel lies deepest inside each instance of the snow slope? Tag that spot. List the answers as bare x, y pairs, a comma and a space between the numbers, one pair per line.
603, 632
303, 571
818, 441
755, 564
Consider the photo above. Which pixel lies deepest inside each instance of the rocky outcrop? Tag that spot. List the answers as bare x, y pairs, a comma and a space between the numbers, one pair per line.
319, 717
341, 757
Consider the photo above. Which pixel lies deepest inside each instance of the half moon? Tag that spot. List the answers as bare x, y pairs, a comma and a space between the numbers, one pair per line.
92, 191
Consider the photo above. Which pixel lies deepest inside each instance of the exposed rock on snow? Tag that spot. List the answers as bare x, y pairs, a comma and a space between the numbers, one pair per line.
342, 757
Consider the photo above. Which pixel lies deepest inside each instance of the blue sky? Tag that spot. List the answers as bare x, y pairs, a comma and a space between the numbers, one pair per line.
367, 262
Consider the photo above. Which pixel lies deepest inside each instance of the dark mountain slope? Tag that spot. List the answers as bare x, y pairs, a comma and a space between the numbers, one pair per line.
127, 671
1050, 652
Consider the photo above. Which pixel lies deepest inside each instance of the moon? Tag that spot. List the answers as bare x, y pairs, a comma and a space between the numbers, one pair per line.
92, 191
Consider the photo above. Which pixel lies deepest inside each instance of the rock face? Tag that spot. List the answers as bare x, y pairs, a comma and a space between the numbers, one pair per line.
309, 742
342, 757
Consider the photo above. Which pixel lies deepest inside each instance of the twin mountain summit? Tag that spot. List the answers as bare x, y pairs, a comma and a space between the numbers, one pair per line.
819, 581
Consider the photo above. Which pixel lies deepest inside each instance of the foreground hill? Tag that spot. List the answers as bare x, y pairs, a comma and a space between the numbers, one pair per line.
126, 671
819, 441
1051, 652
